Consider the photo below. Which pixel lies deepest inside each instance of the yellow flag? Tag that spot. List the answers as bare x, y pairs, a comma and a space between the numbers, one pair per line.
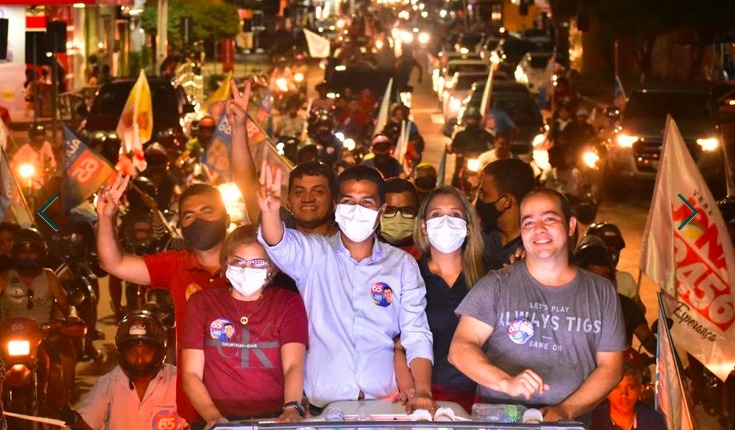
222, 94
136, 121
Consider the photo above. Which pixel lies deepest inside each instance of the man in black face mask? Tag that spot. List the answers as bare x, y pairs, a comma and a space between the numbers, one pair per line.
502, 187
204, 224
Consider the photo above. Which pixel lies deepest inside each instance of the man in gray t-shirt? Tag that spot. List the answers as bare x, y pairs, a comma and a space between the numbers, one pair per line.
542, 332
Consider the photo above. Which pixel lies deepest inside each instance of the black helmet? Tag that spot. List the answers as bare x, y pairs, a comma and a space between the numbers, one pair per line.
156, 155
36, 130
29, 238
288, 141
727, 208
325, 121
610, 233
472, 112
140, 328
592, 250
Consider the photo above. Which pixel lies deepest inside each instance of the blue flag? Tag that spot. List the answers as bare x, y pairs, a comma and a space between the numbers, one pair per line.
217, 155
85, 171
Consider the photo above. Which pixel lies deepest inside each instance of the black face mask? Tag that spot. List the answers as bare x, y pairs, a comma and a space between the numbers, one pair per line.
489, 214
203, 235
28, 266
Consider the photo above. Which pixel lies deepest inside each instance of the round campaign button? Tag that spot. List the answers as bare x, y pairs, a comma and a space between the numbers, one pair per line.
520, 330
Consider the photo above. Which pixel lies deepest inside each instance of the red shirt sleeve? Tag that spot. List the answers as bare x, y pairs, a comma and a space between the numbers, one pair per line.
160, 266
195, 326
294, 326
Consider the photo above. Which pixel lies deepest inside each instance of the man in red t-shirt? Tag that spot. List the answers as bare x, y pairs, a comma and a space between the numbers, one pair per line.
204, 222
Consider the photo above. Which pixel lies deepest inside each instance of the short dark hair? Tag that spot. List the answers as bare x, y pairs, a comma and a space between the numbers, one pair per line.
313, 168
9, 227
400, 185
512, 176
566, 208
362, 173
630, 369
201, 189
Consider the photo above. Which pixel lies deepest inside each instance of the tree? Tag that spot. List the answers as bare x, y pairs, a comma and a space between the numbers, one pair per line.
213, 19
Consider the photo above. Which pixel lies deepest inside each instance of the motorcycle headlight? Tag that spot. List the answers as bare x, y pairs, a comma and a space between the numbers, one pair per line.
591, 159
282, 84
378, 44
424, 38
494, 58
520, 75
349, 144
709, 144
442, 13
454, 104
473, 165
395, 32
298, 77
339, 135
625, 140
449, 84
26, 171
19, 347
407, 37
340, 23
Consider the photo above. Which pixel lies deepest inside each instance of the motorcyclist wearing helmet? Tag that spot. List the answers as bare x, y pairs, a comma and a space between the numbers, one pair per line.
325, 140
37, 152
201, 134
157, 171
470, 142
594, 255
30, 290
140, 392
613, 238
382, 158
288, 146
292, 123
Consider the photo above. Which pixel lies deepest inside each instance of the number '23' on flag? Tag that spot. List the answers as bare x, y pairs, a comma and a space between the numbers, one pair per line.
85, 171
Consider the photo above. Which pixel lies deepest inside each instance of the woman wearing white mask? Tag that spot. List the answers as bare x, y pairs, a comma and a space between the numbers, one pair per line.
244, 347
448, 233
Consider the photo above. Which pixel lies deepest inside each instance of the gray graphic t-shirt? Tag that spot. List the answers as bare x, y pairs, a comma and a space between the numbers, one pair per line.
556, 332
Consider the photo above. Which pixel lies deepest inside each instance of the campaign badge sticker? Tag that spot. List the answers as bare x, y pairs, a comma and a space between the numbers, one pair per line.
165, 419
382, 294
222, 329
520, 330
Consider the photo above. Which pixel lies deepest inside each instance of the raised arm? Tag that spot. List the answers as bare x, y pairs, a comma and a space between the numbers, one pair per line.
113, 260
269, 200
466, 354
243, 166
600, 382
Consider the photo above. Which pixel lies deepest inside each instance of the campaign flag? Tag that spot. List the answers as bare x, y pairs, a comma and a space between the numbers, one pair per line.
402, 145
220, 96
485, 101
671, 398
264, 115
217, 156
4, 135
384, 109
619, 97
135, 126
85, 171
693, 262
13, 206
318, 45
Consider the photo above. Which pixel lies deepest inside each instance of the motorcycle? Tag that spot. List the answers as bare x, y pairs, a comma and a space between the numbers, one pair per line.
35, 382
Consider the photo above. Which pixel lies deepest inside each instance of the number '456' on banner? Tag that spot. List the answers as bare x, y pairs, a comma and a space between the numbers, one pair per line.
85, 171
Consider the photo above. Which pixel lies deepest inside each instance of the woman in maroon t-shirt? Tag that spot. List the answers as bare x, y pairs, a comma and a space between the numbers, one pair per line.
244, 347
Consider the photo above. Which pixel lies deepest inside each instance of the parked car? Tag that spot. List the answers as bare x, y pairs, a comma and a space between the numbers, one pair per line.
172, 110
517, 102
634, 150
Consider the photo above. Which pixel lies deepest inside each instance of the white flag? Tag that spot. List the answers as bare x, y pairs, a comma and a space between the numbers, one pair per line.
671, 399
384, 109
485, 102
318, 45
4, 134
695, 263
402, 145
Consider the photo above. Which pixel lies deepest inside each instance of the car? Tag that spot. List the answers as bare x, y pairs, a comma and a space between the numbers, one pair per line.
454, 66
634, 149
511, 50
172, 110
517, 102
533, 70
456, 89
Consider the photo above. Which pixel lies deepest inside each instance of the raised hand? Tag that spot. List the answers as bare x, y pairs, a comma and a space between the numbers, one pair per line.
526, 384
236, 108
269, 195
109, 198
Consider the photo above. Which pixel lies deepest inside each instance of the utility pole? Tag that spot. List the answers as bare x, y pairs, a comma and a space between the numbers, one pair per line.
162, 42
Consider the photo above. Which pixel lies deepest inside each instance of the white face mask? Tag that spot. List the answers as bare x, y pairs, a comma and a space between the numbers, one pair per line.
246, 281
355, 221
446, 233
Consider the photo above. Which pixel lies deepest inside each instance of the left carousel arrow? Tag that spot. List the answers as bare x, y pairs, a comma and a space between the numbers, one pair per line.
43, 215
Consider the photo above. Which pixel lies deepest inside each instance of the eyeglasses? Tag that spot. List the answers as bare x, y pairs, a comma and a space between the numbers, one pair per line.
255, 263
29, 306
406, 211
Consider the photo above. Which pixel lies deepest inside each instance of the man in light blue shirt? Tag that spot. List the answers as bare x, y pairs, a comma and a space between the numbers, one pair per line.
360, 294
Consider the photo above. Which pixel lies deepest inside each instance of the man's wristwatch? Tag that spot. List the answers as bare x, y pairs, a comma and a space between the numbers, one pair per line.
299, 407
